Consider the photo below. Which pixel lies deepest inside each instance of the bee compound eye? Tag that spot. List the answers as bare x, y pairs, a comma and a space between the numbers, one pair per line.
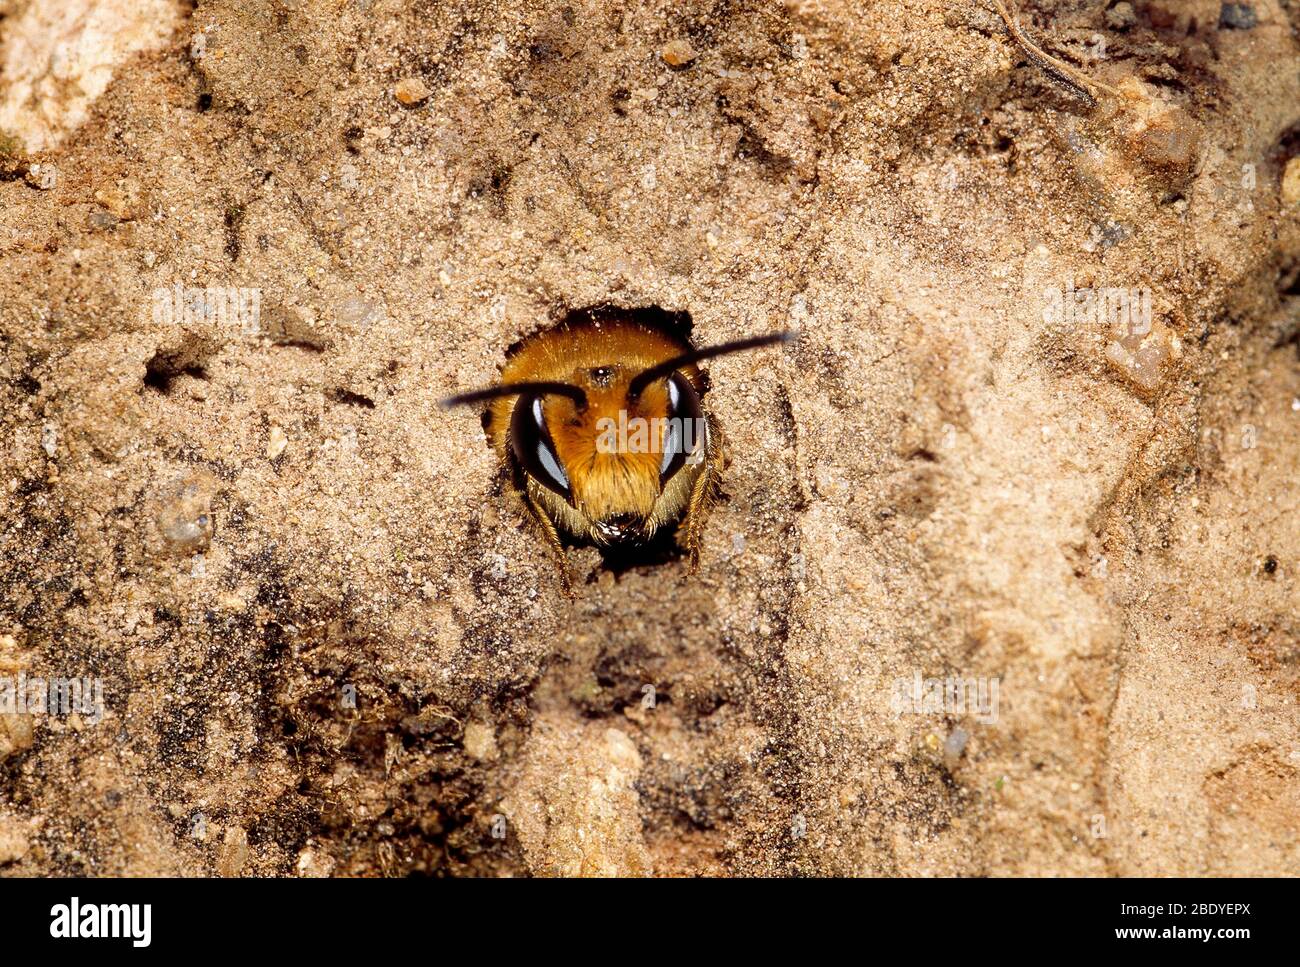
685, 433
533, 448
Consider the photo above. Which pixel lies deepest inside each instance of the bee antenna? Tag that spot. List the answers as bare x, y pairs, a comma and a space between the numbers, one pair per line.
647, 376
514, 389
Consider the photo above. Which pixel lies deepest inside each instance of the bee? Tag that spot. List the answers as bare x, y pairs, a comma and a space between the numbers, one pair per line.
602, 428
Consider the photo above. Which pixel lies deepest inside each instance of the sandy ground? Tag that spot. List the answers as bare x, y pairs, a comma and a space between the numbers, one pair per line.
328, 639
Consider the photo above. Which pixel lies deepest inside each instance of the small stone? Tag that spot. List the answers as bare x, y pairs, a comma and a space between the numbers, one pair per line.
359, 313
184, 515
234, 852
1237, 16
101, 219
411, 91
276, 443
1291, 182
480, 741
1159, 134
16, 734
43, 176
313, 864
678, 53
1145, 359
286, 326
118, 201
1121, 16
954, 746
1169, 142
13, 840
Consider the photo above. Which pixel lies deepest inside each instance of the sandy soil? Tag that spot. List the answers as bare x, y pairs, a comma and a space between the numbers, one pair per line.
328, 639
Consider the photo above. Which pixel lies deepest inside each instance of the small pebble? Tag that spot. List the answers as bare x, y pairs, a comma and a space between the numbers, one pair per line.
1237, 16
314, 865
43, 176
103, 220
678, 53
13, 840
233, 855
480, 741
184, 515
954, 746
411, 91
358, 312
1121, 16
115, 202
16, 734
1291, 182
276, 443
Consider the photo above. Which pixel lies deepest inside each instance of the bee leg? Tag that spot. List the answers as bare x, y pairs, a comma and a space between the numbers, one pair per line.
553, 541
703, 496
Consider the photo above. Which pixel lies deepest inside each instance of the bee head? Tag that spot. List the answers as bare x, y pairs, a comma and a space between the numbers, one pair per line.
609, 439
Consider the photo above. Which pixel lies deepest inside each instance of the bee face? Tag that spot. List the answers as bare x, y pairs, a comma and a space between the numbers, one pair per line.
604, 430
602, 463
610, 462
